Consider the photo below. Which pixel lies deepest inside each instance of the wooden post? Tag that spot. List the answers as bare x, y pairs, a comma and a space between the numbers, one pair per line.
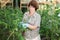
4, 2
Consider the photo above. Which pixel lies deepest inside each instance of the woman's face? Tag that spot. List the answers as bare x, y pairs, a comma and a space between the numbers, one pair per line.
31, 8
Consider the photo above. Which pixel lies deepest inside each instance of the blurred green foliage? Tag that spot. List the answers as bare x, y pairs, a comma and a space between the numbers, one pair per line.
50, 23
9, 19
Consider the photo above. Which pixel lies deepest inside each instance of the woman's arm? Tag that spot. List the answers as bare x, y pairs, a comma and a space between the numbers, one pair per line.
36, 24
32, 27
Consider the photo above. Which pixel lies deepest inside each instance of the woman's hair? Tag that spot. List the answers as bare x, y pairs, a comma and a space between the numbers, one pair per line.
34, 3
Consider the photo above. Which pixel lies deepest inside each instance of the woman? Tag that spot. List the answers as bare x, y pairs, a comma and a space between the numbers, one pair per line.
31, 21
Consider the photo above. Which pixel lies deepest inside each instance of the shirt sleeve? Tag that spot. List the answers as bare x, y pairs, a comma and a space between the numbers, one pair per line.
24, 17
38, 20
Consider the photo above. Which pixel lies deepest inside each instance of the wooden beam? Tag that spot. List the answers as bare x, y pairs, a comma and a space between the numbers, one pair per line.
4, 2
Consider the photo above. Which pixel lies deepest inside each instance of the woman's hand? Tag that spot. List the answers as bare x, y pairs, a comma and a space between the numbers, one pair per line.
32, 27
26, 25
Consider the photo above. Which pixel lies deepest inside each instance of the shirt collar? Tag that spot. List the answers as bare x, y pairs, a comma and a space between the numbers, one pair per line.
32, 15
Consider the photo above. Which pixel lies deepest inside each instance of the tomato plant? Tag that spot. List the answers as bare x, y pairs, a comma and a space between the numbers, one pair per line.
9, 19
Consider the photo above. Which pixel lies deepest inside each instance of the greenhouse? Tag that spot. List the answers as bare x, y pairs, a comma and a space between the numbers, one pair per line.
13, 27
